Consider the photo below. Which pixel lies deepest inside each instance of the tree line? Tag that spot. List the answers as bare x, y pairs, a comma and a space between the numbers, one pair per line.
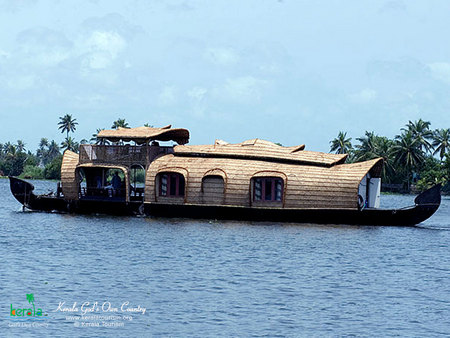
417, 157
45, 163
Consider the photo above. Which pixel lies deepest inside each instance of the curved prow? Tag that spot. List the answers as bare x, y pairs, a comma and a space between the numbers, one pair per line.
22, 190
431, 196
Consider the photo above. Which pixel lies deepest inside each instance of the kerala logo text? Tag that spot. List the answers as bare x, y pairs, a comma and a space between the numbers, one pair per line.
26, 311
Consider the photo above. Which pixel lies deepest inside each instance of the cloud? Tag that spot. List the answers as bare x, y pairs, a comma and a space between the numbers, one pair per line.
167, 96
242, 89
364, 96
221, 56
179, 5
4, 55
440, 71
112, 22
103, 48
15, 6
393, 6
197, 93
22, 82
41, 46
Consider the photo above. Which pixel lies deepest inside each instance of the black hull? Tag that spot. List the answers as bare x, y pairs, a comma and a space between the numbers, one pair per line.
426, 205
401, 217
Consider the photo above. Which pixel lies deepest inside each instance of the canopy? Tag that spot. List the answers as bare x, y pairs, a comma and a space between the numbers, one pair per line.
144, 134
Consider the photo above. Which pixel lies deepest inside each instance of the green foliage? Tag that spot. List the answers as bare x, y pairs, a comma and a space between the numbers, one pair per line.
32, 160
13, 165
33, 172
139, 176
341, 144
67, 124
53, 169
70, 144
120, 123
407, 156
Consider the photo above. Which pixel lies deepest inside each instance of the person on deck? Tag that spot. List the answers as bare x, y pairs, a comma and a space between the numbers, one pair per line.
116, 183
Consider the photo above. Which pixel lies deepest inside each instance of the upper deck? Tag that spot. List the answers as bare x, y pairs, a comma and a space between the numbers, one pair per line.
127, 155
144, 150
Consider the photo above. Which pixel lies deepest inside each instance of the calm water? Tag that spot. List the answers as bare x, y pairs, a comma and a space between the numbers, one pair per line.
207, 278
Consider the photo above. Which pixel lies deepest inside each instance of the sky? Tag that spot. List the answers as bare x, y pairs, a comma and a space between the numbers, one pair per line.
288, 71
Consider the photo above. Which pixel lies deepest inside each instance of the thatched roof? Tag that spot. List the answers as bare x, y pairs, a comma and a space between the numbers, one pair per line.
305, 186
69, 180
261, 150
144, 134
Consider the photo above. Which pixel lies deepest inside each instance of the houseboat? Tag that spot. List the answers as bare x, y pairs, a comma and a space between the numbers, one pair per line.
253, 180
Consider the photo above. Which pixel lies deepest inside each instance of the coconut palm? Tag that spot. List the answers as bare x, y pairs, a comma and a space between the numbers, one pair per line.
441, 142
421, 131
20, 146
52, 151
70, 144
9, 149
341, 144
383, 149
366, 149
120, 123
95, 138
67, 124
407, 153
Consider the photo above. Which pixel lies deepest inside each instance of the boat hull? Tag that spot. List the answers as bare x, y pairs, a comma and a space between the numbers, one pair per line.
394, 217
426, 205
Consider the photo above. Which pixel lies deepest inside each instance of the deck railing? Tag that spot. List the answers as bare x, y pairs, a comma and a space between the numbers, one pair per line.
121, 154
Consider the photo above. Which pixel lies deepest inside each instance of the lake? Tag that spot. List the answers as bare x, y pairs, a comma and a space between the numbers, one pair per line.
99, 275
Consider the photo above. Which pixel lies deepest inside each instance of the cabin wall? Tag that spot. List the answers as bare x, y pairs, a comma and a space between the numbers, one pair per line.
305, 186
370, 189
374, 192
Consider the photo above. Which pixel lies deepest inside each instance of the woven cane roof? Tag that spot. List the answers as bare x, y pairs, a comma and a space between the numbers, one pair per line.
69, 182
261, 150
145, 134
306, 186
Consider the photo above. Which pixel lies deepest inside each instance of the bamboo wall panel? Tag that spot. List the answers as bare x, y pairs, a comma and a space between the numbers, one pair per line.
305, 186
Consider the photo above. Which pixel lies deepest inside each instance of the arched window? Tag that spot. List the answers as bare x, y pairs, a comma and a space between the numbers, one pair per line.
171, 184
267, 189
213, 189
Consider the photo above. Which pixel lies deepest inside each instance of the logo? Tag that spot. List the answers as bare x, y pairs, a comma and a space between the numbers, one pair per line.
27, 311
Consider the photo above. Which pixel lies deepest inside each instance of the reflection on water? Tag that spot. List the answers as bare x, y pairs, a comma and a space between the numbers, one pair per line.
214, 278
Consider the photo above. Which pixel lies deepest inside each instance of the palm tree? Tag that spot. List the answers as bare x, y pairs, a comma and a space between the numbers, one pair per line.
341, 144
383, 148
407, 152
67, 124
120, 123
9, 149
20, 146
421, 131
52, 151
94, 137
441, 142
366, 150
70, 144
148, 125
